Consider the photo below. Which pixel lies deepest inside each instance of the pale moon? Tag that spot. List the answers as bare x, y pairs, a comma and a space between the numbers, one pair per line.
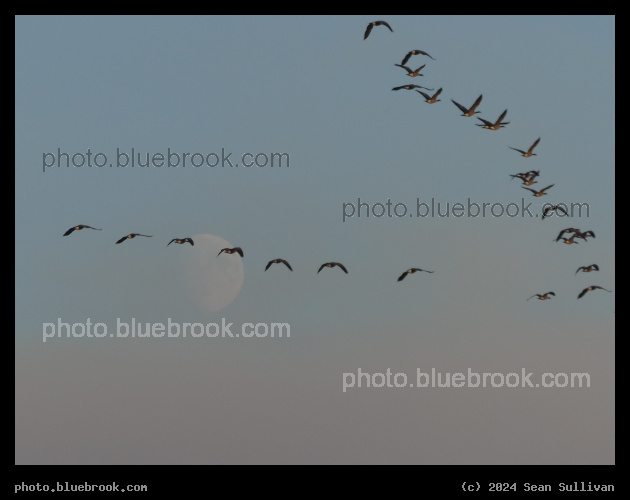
211, 282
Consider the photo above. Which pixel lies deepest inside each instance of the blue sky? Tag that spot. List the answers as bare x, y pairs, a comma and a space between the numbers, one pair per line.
311, 87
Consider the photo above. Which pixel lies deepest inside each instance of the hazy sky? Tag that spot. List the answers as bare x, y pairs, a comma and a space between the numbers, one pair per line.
313, 88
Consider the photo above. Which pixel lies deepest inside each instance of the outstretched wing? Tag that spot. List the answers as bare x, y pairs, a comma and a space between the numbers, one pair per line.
385, 24
476, 103
322, 267
406, 68
123, 239
533, 145
519, 150
342, 267
368, 30
287, 264
501, 117
402, 276
461, 108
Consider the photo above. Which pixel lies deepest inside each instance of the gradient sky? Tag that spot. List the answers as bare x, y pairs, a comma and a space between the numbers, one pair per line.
311, 87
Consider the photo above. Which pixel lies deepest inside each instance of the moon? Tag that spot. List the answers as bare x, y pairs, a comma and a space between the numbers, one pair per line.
212, 282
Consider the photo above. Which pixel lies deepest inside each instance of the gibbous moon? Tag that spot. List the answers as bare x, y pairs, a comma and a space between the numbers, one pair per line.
212, 283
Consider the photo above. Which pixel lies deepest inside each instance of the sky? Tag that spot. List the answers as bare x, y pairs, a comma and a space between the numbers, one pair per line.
312, 92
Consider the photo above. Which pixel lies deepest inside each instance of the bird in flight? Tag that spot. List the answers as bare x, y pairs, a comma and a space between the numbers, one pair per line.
181, 241
568, 230
413, 53
528, 178
237, 250
532, 178
333, 264
493, 126
540, 193
278, 261
529, 152
431, 99
588, 269
411, 271
469, 111
411, 72
544, 296
570, 241
133, 235
79, 227
590, 288
411, 86
521, 175
553, 208
376, 23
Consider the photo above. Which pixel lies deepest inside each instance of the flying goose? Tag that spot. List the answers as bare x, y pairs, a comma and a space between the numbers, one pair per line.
568, 230
413, 53
470, 111
411, 271
493, 126
431, 99
540, 193
78, 228
553, 208
411, 86
411, 72
588, 269
278, 261
376, 23
590, 288
237, 250
529, 152
181, 241
333, 264
133, 235
528, 178
544, 296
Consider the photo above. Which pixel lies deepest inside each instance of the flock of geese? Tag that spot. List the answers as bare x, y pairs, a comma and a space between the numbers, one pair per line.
234, 250
527, 179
